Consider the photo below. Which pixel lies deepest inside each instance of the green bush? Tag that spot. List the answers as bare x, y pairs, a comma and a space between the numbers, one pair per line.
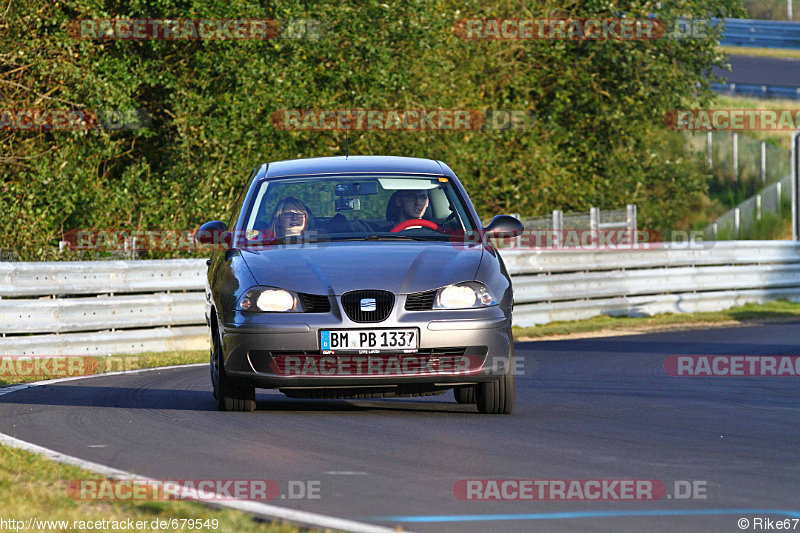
597, 136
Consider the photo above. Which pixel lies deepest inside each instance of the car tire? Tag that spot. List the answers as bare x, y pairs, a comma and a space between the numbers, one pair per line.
465, 394
498, 397
229, 396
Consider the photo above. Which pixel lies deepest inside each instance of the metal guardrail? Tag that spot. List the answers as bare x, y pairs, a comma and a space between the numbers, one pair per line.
549, 285
60, 315
520, 262
100, 277
676, 278
109, 342
757, 91
761, 33
101, 307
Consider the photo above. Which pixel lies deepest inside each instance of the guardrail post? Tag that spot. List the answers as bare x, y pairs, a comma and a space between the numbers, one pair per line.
758, 206
709, 148
778, 195
735, 156
594, 221
789, 13
763, 161
558, 227
632, 222
736, 222
714, 230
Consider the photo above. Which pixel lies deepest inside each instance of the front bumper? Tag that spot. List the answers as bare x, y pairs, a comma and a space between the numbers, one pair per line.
456, 347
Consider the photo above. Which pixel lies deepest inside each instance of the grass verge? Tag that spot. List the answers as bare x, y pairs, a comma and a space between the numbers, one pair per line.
22, 371
32, 486
760, 52
772, 311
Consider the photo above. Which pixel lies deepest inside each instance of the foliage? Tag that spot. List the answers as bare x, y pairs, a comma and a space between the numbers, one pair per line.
596, 136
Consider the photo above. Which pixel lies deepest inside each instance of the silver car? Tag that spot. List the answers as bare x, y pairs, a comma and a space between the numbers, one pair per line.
359, 277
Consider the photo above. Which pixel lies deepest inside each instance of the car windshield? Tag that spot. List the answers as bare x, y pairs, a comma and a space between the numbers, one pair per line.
362, 207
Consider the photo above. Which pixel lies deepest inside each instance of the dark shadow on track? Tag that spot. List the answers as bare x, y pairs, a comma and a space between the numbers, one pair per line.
630, 345
193, 400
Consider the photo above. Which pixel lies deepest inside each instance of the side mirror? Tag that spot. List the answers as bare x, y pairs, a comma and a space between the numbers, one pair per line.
503, 226
214, 232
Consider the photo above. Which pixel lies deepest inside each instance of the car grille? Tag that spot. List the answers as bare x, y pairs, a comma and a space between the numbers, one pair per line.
420, 301
384, 302
315, 303
262, 360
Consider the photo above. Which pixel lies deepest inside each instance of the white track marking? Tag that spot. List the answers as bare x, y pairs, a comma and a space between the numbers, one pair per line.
258, 508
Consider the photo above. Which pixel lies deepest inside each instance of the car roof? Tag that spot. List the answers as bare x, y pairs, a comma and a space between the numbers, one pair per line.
354, 164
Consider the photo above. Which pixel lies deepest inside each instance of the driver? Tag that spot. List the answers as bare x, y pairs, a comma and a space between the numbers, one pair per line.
412, 204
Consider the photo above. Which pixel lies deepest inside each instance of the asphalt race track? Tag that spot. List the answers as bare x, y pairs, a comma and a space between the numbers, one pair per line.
601, 408
762, 71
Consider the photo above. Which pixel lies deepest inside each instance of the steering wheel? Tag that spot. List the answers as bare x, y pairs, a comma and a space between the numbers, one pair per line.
415, 223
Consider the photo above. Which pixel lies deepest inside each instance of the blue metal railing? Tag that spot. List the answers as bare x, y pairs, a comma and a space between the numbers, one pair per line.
758, 91
761, 33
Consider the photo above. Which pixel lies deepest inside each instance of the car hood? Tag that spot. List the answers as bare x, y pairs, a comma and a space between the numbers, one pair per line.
338, 267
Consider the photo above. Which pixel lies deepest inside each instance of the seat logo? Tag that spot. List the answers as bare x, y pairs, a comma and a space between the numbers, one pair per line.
368, 304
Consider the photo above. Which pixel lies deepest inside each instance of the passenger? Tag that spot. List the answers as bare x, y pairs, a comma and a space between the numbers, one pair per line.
291, 218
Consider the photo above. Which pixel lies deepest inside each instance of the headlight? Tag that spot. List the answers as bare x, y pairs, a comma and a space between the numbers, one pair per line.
466, 295
270, 300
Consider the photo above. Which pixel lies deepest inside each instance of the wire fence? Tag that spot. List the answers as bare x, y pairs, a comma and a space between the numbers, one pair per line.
751, 176
740, 221
733, 159
593, 220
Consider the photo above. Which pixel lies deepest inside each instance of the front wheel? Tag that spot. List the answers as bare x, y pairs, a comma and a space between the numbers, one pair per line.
498, 397
230, 397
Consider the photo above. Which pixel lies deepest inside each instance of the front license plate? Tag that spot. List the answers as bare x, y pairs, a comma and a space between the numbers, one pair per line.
369, 340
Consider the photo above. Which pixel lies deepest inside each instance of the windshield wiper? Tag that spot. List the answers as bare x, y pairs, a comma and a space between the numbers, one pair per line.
281, 240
